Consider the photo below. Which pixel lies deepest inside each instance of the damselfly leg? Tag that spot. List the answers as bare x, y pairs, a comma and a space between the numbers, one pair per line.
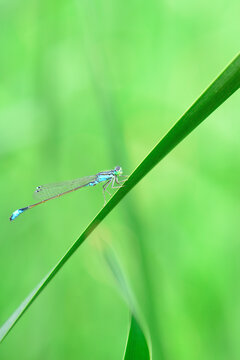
119, 182
112, 183
105, 186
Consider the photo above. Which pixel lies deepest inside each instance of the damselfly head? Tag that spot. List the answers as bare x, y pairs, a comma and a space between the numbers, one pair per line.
118, 170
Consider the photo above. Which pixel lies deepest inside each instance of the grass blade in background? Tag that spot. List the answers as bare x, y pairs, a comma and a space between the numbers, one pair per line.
136, 347
219, 91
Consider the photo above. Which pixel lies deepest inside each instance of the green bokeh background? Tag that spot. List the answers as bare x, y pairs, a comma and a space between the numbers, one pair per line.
88, 85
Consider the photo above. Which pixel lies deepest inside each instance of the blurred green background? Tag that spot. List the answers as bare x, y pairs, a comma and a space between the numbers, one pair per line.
88, 85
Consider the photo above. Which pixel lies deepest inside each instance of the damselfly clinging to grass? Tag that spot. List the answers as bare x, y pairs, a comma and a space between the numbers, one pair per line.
53, 191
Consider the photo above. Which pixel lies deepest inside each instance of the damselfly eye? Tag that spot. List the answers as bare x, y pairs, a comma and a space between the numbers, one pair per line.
118, 170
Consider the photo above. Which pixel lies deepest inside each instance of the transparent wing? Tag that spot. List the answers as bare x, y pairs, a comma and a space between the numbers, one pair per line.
44, 192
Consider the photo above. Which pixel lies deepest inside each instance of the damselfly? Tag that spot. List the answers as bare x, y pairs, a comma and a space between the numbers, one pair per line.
53, 191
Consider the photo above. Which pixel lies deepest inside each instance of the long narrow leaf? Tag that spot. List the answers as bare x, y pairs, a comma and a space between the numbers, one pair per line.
137, 347
220, 90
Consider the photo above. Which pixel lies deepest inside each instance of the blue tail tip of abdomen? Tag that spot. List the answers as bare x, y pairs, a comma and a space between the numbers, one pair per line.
16, 213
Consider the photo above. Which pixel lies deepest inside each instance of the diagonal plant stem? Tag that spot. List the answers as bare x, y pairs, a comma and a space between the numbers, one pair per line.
220, 90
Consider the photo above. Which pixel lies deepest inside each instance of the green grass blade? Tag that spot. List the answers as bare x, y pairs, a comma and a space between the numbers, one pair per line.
137, 347
120, 279
220, 90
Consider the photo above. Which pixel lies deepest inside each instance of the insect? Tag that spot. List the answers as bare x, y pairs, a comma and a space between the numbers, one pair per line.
52, 191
